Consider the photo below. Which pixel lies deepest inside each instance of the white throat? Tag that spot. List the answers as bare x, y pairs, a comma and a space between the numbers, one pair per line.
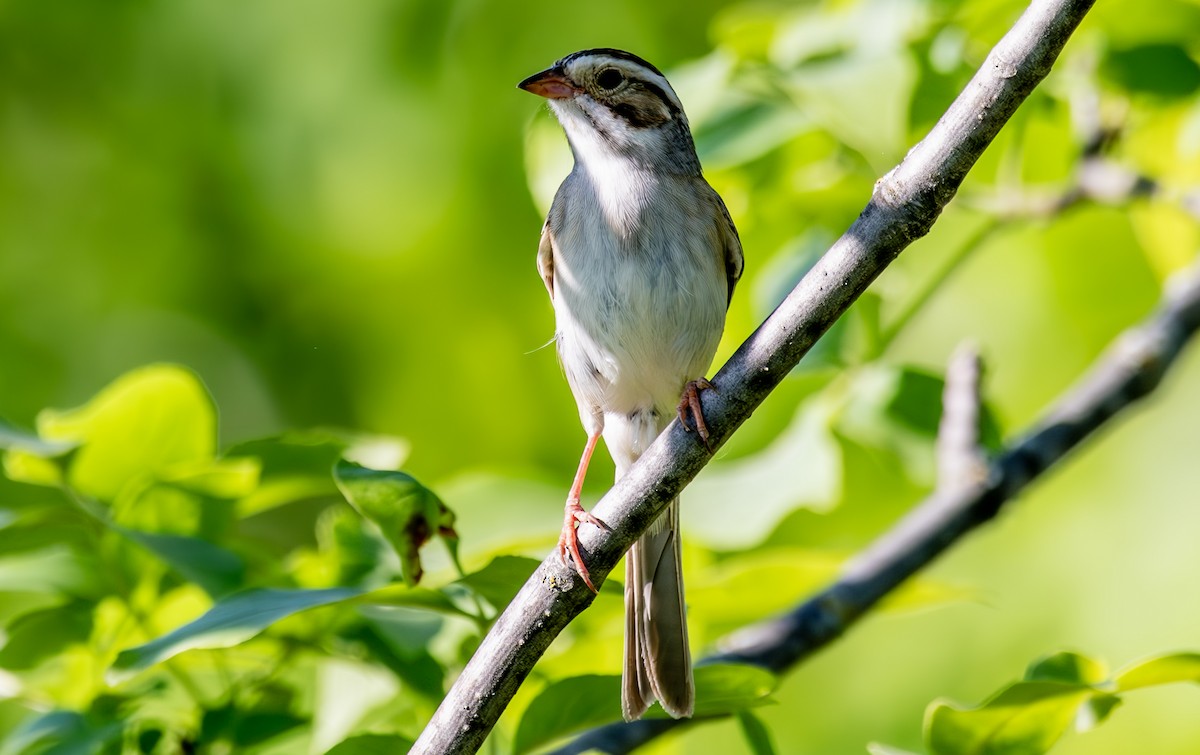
622, 183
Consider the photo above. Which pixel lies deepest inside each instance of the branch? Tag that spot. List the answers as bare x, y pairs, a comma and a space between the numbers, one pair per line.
903, 207
1133, 366
960, 457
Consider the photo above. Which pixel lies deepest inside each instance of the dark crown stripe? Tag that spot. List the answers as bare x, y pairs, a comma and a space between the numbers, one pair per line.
612, 52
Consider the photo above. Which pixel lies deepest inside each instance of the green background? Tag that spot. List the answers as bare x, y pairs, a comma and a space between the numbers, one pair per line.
329, 212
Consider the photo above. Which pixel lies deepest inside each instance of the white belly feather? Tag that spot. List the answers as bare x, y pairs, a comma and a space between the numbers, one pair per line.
640, 294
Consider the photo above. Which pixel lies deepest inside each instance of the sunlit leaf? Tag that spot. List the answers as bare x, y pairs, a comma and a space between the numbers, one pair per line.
219, 478
757, 584
55, 569
346, 692
144, 422
32, 469
230, 622
1163, 669
1026, 717
1166, 233
725, 688
407, 513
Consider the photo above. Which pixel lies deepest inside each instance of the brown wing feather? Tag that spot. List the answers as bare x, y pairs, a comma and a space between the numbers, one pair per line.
545, 259
734, 260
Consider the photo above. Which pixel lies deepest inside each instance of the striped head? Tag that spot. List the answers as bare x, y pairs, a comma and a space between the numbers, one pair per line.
612, 103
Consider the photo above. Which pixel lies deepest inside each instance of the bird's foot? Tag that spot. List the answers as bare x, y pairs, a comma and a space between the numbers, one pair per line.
568, 541
689, 404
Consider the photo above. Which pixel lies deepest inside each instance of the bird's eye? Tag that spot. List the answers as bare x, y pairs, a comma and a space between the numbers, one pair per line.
610, 78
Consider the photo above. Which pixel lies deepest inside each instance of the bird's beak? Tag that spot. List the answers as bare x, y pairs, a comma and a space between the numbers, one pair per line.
551, 83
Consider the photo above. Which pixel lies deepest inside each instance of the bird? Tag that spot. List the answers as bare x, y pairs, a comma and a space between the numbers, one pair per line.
640, 258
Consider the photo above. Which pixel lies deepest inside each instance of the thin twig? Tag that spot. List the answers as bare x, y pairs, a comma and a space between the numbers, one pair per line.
960, 458
1132, 367
905, 204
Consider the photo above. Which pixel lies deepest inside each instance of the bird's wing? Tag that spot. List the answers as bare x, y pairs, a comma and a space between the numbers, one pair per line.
732, 246
545, 259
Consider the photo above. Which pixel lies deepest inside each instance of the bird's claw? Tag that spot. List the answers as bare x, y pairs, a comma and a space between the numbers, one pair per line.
689, 404
568, 540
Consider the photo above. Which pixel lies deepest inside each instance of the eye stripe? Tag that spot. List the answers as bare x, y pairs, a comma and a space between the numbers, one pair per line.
670, 101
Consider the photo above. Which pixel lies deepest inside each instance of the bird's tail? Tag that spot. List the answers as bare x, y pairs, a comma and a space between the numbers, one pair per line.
658, 661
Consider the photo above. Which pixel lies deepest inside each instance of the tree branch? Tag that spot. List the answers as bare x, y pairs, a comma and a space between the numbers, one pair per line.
903, 207
961, 460
1132, 367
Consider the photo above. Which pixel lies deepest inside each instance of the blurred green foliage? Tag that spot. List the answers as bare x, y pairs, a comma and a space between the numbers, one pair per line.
324, 212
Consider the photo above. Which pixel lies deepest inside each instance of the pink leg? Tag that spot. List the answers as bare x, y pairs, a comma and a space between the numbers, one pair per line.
568, 541
689, 403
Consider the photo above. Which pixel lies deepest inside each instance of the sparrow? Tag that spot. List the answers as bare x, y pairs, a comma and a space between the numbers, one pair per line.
640, 259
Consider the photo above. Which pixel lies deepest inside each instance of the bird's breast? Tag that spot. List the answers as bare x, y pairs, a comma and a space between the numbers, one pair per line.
639, 293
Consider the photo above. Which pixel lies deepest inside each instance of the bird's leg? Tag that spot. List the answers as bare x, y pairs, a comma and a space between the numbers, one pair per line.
573, 514
689, 403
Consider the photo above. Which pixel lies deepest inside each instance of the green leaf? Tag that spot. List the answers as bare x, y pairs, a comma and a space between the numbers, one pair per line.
863, 99
725, 688
219, 478
1095, 711
32, 469
758, 738
56, 569
499, 581
406, 512
877, 748
581, 702
1026, 717
1163, 669
216, 570
143, 423
228, 623
1165, 70
1068, 668
567, 706
414, 597
245, 727
12, 438
372, 744
345, 692
917, 401
746, 131
294, 467
59, 732
39, 634
400, 638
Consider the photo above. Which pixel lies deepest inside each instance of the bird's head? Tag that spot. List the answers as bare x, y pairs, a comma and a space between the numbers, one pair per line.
611, 102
